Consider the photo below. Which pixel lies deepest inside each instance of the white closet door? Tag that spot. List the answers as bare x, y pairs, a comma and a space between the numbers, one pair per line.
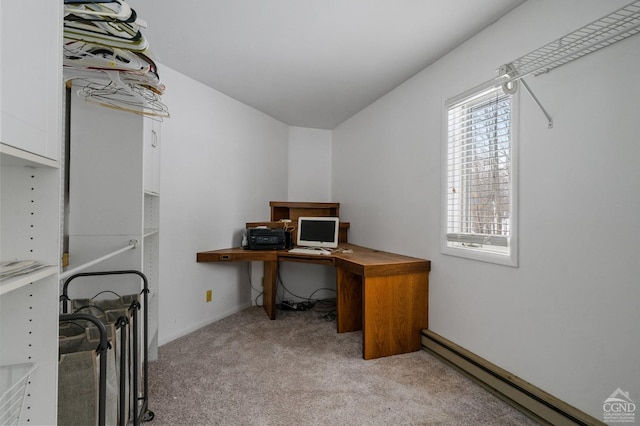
31, 78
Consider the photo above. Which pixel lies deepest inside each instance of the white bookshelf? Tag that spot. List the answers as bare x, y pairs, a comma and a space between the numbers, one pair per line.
30, 230
30, 187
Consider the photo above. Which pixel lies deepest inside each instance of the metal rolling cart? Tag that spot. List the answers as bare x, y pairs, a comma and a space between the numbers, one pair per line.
136, 397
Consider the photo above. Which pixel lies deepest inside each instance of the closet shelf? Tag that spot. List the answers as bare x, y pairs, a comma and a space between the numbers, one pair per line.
603, 32
15, 283
148, 232
10, 156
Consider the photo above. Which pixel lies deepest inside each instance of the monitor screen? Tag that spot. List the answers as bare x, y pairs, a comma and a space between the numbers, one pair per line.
318, 232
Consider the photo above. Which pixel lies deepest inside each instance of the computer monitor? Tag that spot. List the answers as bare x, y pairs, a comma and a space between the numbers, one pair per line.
318, 231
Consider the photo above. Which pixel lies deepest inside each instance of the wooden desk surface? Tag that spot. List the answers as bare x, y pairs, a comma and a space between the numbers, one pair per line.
361, 261
384, 294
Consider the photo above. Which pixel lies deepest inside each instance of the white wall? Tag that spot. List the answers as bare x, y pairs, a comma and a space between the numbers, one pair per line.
309, 180
222, 162
567, 318
309, 164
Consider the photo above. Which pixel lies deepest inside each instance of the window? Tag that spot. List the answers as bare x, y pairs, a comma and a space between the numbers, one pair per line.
480, 196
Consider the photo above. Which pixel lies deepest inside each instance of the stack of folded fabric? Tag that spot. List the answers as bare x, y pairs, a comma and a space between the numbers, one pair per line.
105, 50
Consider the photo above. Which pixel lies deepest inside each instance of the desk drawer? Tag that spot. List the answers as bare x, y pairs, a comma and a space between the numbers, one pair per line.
236, 255
310, 258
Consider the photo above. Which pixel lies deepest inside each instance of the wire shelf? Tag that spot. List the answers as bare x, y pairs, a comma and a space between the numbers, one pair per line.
603, 32
14, 380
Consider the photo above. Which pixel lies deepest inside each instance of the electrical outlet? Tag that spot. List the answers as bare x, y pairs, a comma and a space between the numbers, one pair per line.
209, 296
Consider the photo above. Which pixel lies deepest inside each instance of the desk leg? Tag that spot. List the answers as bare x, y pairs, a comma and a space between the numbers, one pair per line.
395, 311
269, 290
349, 301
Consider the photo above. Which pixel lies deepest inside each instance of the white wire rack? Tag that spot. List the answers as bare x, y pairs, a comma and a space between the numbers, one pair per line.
603, 32
14, 380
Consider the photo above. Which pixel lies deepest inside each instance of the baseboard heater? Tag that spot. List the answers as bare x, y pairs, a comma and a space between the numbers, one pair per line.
529, 399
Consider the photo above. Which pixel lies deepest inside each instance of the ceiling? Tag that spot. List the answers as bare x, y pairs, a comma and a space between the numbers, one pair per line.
309, 63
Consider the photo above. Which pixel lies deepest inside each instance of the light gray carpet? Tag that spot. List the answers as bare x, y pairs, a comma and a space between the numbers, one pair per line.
248, 370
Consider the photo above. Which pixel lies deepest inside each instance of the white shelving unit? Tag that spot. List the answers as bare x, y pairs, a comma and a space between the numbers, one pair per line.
31, 83
151, 239
30, 228
151, 151
14, 382
113, 199
30, 176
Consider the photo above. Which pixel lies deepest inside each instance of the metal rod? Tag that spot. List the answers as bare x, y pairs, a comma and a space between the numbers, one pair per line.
136, 364
66, 274
526, 86
123, 323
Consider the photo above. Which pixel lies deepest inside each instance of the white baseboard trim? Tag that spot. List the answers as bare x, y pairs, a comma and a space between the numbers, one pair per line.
531, 400
166, 339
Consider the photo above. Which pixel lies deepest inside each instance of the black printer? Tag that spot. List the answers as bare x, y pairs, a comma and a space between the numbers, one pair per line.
268, 239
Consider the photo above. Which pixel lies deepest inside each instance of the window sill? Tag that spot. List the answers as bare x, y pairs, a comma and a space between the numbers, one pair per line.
508, 259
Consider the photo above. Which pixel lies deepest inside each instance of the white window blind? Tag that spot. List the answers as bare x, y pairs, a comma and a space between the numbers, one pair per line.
479, 172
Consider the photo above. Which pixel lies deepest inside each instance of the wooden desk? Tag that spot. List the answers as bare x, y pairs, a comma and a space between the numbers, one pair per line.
383, 294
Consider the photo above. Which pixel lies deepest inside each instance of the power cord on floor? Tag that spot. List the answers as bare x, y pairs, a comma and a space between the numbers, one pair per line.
288, 305
325, 307
260, 292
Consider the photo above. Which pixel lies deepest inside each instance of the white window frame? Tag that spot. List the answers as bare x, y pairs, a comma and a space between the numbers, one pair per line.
490, 249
